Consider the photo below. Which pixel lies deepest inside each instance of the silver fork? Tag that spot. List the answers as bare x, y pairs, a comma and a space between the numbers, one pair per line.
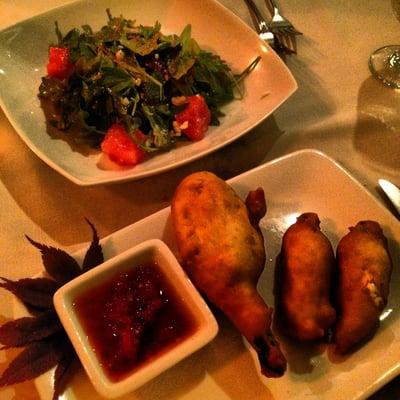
280, 24
263, 29
260, 24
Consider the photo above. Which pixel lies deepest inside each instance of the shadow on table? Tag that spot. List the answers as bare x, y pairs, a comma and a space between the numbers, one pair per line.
51, 201
377, 131
311, 102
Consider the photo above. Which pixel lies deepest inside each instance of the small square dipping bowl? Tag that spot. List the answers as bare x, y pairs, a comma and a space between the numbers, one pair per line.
150, 251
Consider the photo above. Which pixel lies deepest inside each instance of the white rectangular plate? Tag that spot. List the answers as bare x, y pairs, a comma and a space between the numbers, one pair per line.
227, 368
23, 58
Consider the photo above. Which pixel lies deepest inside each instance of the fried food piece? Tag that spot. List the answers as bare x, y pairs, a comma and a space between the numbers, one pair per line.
306, 264
222, 250
365, 267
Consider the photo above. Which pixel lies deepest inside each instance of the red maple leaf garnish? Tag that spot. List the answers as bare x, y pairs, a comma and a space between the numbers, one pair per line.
45, 343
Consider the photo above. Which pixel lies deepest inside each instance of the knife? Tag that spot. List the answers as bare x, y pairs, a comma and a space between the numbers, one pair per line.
392, 192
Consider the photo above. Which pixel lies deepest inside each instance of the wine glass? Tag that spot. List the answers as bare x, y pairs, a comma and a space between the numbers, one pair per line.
384, 62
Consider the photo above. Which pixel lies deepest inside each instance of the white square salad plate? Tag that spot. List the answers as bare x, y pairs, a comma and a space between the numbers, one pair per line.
24, 55
228, 369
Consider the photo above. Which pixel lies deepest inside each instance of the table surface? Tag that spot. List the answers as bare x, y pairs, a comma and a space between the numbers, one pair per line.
339, 108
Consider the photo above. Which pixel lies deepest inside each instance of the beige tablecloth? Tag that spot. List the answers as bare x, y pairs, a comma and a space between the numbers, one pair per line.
339, 109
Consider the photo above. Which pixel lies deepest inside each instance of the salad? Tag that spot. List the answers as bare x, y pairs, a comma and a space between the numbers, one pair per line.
132, 91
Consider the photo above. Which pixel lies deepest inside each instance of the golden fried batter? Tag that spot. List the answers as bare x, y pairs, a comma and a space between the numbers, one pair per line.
306, 264
223, 253
365, 268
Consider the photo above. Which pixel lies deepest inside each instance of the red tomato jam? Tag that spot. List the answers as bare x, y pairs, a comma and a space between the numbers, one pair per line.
132, 318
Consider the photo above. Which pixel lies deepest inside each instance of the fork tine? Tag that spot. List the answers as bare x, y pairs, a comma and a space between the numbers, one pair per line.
291, 44
288, 30
293, 30
288, 42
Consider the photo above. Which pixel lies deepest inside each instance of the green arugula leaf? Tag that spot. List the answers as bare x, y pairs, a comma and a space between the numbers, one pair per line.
143, 42
214, 78
161, 137
116, 79
186, 58
148, 32
166, 41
